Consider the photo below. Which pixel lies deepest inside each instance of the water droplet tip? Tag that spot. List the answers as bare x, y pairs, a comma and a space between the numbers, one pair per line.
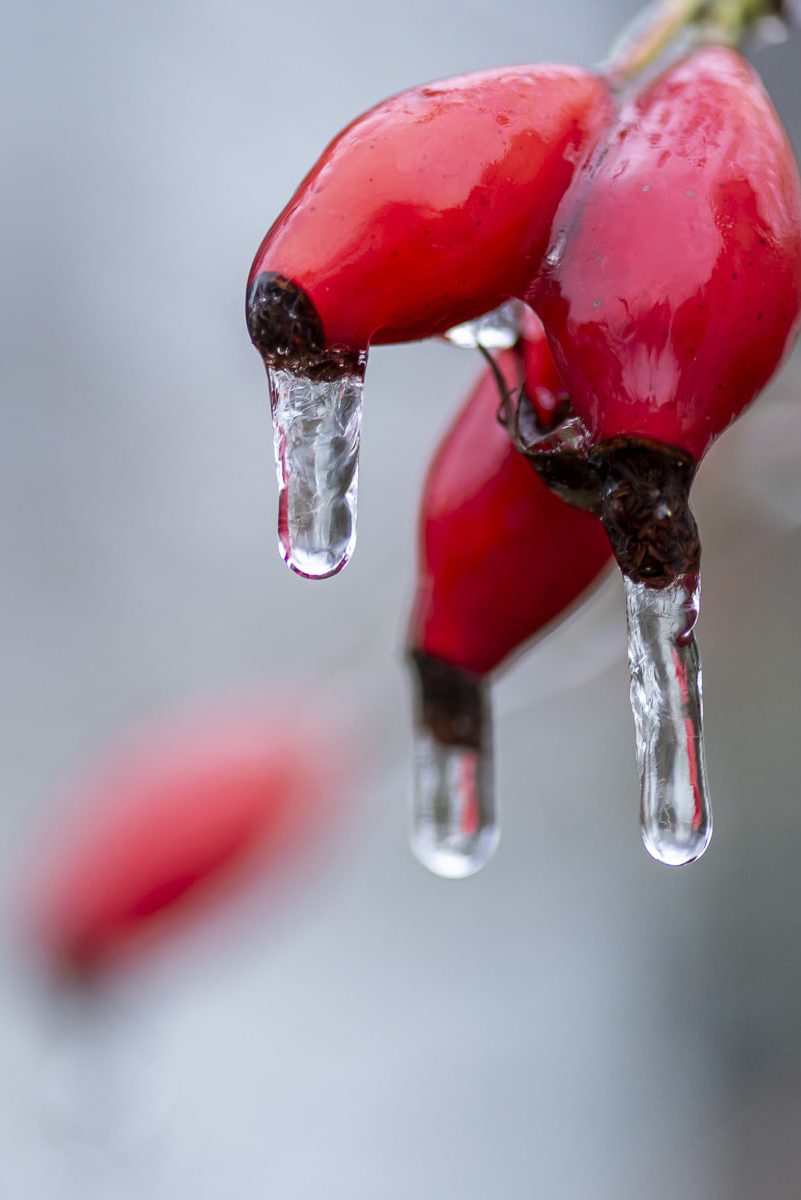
455, 857
454, 827
672, 853
313, 565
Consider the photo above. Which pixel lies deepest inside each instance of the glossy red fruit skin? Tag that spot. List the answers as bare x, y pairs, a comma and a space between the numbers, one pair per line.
545, 388
435, 206
500, 555
671, 288
164, 829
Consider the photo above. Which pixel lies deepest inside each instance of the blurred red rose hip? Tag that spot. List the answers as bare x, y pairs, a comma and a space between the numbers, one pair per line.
165, 828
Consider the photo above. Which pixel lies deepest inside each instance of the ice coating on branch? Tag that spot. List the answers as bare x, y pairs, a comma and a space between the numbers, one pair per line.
665, 667
454, 829
496, 330
317, 426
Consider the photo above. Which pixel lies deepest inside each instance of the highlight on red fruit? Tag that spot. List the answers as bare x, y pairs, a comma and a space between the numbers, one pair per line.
501, 557
163, 830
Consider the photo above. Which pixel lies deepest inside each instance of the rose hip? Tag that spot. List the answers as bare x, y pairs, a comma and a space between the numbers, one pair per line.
671, 289
166, 827
670, 293
430, 209
501, 557
427, 211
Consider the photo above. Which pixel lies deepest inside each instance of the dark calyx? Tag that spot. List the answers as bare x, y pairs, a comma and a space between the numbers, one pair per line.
287, 332
450, 702
641, 491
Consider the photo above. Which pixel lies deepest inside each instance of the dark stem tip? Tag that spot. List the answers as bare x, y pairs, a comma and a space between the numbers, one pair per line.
645, 509
451, 702
641, 491
286, 329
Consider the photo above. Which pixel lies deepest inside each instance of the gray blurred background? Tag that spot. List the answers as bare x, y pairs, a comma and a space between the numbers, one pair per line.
576, 1022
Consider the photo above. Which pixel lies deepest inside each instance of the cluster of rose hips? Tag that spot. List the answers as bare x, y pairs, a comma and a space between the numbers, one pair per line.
651, 219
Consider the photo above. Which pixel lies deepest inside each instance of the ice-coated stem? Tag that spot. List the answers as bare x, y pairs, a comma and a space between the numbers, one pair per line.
673, 27
317, 426
454, 826
665, 666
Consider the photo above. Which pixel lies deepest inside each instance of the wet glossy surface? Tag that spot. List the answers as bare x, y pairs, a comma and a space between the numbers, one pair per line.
573, 981
674, 273
435, 207
500, 555
665, 668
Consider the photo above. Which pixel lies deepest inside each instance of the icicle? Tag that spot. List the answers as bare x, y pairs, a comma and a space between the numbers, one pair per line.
496, 330
665, 671
454, 827
317, 425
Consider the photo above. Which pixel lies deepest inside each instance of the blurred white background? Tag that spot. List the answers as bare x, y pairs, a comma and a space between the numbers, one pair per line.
576, 1022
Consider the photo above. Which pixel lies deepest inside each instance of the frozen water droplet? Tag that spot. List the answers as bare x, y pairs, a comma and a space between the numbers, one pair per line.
317, 426
454, 829
666, 700
496, 330
572, 436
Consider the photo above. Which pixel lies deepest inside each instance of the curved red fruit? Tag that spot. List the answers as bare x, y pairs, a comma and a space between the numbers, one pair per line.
500, 555
671, 290
168, 826
435, 206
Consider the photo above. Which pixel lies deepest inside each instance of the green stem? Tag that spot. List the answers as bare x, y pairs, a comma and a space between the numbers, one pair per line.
728, 22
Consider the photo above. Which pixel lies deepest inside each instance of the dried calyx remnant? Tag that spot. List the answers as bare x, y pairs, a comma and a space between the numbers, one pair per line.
645, 509
639, 488
285, 329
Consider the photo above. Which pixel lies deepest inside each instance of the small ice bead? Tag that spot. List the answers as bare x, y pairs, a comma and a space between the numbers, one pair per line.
665, 667
454, 828
317, 428
496, 330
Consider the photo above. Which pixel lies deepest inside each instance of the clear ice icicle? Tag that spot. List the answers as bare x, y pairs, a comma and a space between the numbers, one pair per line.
317, 426
496, 330
454, 827
665, 668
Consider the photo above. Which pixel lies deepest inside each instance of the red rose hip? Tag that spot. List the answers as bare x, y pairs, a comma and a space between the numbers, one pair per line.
501, 558
670, 293
671, 289
165, 828
427, 211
